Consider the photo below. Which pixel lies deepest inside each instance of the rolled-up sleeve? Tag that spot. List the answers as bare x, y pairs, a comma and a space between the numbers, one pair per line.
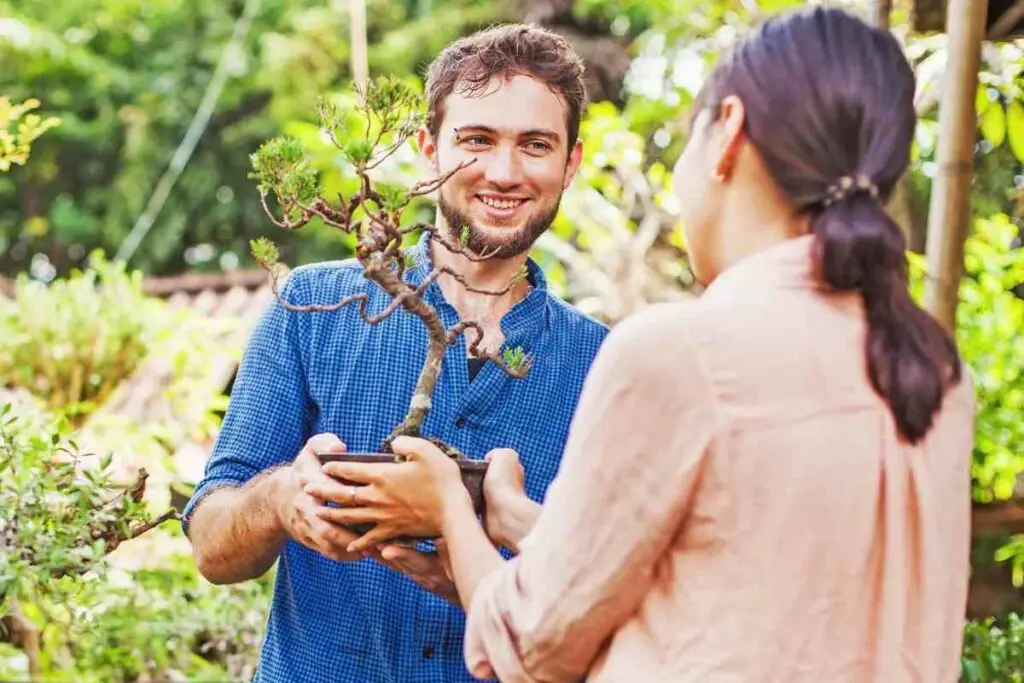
632, 462
269, 412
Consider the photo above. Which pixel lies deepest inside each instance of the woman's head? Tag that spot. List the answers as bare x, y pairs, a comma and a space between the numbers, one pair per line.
809, 122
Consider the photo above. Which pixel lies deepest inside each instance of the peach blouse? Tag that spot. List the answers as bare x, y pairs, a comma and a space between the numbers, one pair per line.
734, 506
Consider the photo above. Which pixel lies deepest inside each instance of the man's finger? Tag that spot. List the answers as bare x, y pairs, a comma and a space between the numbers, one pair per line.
348, 515
325, 488
370, 539
357, 472
325, 443
414, 448
332, 534
409, 559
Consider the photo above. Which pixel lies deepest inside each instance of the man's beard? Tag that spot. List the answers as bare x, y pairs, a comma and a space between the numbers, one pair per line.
503, 246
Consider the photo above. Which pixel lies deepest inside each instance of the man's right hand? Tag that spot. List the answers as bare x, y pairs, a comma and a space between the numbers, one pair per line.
296, 509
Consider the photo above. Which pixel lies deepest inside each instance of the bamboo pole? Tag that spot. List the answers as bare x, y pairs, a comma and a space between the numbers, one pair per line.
1011, 17
949, 214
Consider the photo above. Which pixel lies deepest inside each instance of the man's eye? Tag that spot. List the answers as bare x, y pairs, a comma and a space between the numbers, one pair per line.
474, 140
538, 146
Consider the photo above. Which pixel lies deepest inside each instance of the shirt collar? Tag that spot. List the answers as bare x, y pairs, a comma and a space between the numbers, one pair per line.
788, 264
528, 314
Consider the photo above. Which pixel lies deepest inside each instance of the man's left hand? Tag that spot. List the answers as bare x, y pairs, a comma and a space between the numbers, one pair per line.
399, 499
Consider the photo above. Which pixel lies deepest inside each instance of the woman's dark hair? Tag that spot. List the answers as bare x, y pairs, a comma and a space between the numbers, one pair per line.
829, 107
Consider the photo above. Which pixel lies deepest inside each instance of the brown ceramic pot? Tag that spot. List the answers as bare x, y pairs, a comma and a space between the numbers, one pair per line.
472, 471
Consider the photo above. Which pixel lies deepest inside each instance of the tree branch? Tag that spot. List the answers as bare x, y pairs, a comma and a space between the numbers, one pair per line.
474, 349
285, 222
427, 186
318, 308
516, 279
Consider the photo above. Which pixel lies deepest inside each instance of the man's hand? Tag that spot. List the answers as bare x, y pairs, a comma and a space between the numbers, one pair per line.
298, 511
399, 499
509, 513
427, 570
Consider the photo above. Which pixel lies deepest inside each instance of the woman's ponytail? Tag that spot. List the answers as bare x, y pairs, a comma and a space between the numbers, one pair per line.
911, 358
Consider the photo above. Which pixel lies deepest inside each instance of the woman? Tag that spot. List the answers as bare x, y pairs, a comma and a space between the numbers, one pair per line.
770, 483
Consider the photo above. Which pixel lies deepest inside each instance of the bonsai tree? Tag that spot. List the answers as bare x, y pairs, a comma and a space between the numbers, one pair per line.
388, 113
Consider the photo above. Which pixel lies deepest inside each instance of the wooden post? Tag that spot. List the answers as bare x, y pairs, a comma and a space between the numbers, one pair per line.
949, 214
880, 11
357, 36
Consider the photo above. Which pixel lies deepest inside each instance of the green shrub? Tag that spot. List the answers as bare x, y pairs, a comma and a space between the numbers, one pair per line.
990, 320
71, 342
993, 653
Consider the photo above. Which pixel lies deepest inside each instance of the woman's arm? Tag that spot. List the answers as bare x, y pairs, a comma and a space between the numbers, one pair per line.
632, 462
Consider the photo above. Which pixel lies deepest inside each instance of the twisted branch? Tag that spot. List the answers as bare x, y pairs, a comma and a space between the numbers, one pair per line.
475, 350
285, 222
427, 186
516, 279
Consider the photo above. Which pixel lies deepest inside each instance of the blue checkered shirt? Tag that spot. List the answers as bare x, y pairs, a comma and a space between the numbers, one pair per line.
305, 373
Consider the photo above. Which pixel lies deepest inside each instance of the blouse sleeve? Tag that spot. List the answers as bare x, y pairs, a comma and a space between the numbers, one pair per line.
631, 465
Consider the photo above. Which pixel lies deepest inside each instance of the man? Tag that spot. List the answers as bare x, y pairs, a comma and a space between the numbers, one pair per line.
510, 98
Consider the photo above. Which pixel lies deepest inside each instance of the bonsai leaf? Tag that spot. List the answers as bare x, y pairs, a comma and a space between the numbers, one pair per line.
280, 166
410, 259
264, 251
464, 235
393, 197
357, 152
516, 359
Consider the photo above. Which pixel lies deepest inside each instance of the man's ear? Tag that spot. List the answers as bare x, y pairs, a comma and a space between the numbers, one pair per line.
428, 149
573, 164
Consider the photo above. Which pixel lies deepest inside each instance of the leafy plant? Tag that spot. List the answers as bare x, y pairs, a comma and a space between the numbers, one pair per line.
388, 113
18, 129
74, 341
990, 318
63, 513
156, 623
993, 653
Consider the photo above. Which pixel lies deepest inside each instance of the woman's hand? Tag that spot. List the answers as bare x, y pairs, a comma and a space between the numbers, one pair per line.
399, 499
509, 512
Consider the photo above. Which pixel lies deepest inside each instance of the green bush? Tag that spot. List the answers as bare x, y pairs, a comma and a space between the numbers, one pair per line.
990, 318
73, 341
993, 653
157, 624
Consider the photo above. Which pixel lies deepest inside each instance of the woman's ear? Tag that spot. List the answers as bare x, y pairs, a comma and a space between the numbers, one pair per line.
731, 120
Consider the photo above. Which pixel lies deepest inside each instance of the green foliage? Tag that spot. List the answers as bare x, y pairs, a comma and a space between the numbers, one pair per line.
989, 320
62, 514
280, 166
18, 129
151, 623
126, 76
264, 251
516, 359
74, 341
993, 654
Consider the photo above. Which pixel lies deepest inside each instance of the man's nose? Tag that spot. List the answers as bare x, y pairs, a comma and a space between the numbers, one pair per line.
504, 167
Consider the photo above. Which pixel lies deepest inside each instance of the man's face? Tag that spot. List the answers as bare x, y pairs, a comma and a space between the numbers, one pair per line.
516, 131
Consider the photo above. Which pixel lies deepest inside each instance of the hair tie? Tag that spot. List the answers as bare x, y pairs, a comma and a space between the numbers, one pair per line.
847, 186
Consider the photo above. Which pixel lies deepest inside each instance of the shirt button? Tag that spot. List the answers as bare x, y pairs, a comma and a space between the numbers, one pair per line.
460, 423
428, 652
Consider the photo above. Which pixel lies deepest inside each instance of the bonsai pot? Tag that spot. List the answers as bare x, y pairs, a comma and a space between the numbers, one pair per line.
472, 471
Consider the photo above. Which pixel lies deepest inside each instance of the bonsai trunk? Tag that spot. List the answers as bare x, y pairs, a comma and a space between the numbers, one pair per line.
420, 404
